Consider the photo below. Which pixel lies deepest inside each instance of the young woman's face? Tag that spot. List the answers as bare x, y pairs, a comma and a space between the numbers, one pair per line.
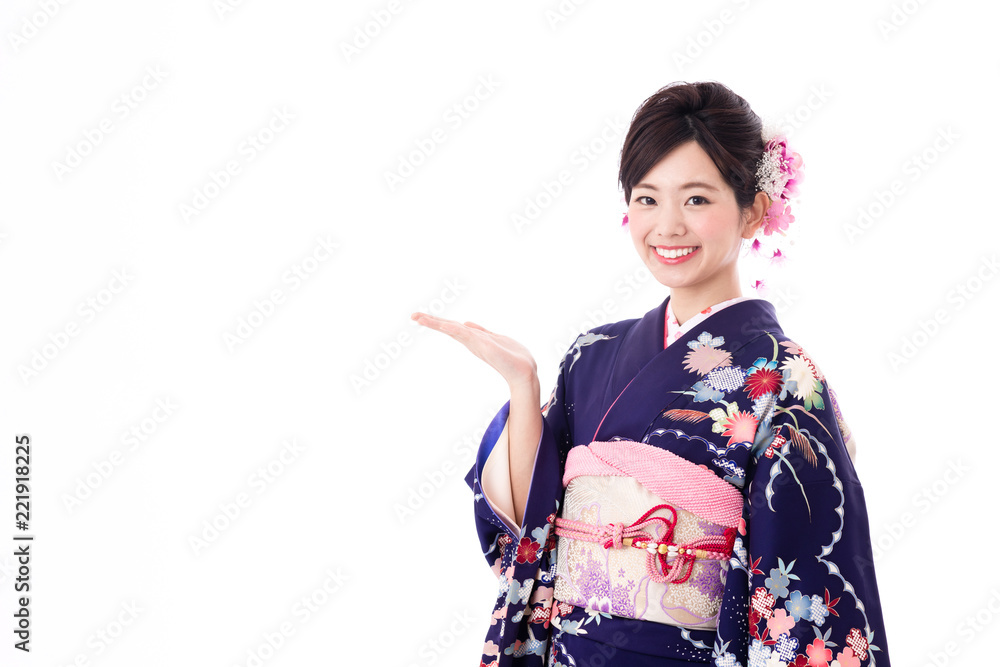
685, 223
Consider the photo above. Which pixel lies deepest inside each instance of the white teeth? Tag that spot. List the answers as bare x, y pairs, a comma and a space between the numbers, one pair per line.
673, 254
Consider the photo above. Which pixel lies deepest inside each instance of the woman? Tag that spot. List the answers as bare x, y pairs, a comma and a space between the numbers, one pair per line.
687, 494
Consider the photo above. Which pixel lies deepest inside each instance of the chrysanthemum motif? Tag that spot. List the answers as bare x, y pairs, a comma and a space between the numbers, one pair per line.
735, 424
741, 428
801, 380
762, 381
702, 359
794, 348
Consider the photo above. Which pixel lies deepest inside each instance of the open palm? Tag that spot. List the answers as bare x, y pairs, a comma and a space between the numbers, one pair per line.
511, 359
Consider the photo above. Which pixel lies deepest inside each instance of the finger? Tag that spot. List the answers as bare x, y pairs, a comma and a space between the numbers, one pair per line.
456, 330
476, 326
431, 320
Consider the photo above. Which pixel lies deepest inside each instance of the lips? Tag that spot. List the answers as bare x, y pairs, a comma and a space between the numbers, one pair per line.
676, 255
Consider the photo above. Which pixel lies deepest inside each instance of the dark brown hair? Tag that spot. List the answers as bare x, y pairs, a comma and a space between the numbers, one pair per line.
708, 112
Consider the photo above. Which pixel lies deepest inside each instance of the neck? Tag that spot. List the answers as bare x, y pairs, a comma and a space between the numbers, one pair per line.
687, 302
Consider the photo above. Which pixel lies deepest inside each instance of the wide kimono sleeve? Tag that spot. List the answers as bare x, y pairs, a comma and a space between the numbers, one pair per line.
522, 556
802, 588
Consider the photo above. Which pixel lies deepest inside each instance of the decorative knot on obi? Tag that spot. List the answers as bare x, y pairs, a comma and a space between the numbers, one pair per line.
666, 561
644, 534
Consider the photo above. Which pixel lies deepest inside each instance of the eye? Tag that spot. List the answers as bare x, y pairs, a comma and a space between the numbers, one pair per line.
701, 199
650, 201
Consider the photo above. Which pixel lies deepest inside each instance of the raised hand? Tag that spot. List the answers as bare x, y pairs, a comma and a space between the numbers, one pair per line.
511, 359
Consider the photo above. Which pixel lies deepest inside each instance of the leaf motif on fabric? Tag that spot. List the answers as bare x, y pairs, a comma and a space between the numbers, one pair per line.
801, 443
690, 416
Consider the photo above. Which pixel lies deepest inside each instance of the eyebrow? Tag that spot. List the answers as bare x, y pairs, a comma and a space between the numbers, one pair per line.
686, 186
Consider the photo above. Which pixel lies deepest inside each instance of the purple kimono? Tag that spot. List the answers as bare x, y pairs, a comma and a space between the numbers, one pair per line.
694, 504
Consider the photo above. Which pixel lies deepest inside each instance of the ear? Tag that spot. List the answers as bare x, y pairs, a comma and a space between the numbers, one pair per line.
755, 215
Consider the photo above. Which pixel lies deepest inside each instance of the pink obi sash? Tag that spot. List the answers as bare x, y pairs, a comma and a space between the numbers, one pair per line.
644, 534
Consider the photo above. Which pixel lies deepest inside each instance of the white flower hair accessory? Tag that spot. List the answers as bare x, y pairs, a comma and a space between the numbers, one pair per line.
779, 172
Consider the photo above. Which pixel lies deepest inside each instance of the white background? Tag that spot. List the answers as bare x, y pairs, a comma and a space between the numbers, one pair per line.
864, 95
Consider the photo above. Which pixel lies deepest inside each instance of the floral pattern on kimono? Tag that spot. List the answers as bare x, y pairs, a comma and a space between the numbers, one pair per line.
737, 397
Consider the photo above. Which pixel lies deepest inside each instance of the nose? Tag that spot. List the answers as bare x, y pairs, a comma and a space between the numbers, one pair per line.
669, 223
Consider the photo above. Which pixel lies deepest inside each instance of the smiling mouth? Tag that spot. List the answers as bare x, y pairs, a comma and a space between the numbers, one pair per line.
676, 252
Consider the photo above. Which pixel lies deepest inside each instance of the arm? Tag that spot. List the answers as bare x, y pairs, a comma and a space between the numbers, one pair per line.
525, 429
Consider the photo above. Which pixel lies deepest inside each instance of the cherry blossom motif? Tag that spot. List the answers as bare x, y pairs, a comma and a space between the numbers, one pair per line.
777, 219
726, 660
758, 654
527, 550
762, 602
779, 623
819, 655
846, 658
857, 641
785, 647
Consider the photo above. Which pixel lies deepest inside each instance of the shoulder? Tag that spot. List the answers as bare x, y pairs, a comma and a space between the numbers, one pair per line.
607, 331
807, 405
614, 328
596, 347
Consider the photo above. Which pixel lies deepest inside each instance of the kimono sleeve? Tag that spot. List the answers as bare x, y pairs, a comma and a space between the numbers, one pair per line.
523, 557
803, 556
489, 477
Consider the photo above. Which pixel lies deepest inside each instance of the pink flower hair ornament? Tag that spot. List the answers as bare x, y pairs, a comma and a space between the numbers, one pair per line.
779, 172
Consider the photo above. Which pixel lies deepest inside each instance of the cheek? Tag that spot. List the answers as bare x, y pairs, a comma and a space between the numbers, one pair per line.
636, 231
718, 231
